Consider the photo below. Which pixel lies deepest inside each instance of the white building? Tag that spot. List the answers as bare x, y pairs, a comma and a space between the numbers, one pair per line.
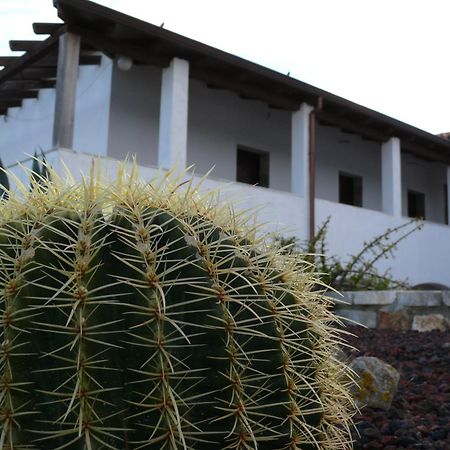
108, 84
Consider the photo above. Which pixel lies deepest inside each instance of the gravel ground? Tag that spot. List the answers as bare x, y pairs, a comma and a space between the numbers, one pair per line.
419, 417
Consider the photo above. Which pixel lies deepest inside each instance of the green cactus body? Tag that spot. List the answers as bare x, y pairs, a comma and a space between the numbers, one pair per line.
142, 316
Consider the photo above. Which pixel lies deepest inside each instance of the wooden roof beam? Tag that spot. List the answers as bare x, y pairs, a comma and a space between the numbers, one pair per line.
25, 85
107, 45
23, 46
84, 60
10, 103
352, 126
6, 60
17, 95
50, 61
35, 74
29, 58
45, 27
245, 90
424, 152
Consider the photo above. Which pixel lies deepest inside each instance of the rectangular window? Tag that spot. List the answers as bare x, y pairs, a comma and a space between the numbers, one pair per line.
416, 204
350, 189
253, 167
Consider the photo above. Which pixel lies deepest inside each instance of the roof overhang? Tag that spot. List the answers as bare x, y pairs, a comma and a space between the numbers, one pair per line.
114, 33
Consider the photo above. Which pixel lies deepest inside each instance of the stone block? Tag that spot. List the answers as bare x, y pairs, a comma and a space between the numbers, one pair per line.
360, 316
446, 298
419, 298
344, 298
398, 320
376, 382
374, 297
430, 322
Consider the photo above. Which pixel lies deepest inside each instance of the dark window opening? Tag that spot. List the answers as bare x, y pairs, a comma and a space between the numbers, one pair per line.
350, 189
416, 204
446, 204
252, 167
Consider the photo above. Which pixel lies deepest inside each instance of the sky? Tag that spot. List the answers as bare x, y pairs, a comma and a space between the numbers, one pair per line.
389, 55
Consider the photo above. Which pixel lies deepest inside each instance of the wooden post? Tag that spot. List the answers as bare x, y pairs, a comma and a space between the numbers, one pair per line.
312, 176
66, 88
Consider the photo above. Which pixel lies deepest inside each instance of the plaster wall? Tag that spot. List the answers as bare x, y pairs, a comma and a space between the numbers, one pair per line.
426, 177
134, 113
343, 152
220, 121
280, 211
422, 257
28, 128
92, 108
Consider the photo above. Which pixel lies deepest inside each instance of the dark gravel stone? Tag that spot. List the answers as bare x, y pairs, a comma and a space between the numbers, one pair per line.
371, 433
419, 417
438, 435
406, 441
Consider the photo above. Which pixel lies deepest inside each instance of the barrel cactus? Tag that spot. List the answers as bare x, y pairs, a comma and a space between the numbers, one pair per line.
147, 316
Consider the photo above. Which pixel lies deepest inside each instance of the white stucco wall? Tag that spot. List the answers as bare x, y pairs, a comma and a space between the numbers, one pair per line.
27, 129
338, 151
134, 113
426, 177
220, 121
279, 211
422, 257
92, 108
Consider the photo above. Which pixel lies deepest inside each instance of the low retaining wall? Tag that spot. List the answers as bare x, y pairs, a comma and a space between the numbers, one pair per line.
417, 310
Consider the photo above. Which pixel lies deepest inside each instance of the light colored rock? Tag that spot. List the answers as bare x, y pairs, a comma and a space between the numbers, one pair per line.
430, 322
398, 320
376, 382
419, 298
359, 316
374, 297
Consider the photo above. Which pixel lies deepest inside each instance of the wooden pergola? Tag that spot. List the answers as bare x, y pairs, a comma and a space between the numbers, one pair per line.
23, 76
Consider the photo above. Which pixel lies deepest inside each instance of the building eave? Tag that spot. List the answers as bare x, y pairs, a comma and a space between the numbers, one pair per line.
115, 33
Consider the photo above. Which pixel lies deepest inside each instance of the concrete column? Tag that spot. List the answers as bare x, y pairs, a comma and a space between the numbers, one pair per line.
300, 160
448, 195
66, 89
391, 178
173, 116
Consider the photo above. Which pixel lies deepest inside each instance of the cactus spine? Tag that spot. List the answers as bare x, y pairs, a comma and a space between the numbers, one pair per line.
144, 316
